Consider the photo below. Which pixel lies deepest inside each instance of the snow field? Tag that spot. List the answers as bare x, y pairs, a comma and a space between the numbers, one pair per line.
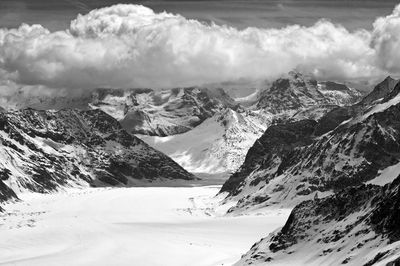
129, 226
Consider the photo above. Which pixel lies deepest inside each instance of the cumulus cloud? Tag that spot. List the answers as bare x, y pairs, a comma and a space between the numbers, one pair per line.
131, 46
386, 42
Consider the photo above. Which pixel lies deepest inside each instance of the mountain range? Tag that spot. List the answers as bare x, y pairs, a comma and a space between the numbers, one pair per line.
319, 147
224, 124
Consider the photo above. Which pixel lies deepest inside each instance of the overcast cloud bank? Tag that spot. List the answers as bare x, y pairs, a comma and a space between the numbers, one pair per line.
131, 46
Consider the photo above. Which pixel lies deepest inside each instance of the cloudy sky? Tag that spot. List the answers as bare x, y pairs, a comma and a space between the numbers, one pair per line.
353, 14
47, 44
57, 14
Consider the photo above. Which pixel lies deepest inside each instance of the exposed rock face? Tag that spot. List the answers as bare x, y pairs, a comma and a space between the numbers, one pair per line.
351, 154
357, 226
43, 150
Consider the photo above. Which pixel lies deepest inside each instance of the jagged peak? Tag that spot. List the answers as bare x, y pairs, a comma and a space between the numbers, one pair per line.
380, 91
388, 79
386, 85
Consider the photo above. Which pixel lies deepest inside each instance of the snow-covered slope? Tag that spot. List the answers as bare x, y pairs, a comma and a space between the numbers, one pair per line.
42, 151
218, 145
288, 165
357, 226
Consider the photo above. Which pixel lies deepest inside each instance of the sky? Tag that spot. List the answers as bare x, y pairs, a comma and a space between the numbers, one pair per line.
353, 14
78, 44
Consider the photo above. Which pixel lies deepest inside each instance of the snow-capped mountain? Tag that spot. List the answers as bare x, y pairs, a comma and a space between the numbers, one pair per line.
356, 226
43, 151
295, 161
297, 93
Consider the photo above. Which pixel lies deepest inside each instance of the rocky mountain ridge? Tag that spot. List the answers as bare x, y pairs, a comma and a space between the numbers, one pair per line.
42, 151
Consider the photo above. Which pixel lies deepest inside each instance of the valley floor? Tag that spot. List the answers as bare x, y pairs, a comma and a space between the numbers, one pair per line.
128, 226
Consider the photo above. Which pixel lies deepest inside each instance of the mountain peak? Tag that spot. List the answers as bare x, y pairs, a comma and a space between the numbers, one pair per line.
380, 91
388, 79
298, 91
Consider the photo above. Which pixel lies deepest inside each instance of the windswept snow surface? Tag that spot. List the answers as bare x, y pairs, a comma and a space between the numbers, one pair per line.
128, 226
